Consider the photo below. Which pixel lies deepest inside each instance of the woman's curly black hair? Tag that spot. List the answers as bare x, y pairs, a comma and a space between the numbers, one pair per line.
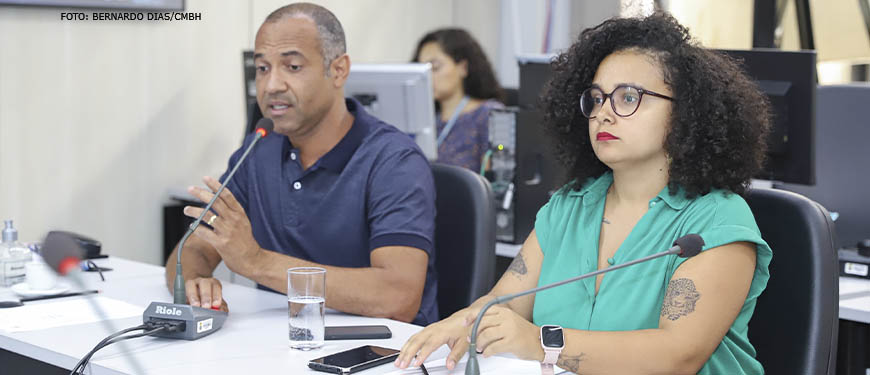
719, 119
480, 82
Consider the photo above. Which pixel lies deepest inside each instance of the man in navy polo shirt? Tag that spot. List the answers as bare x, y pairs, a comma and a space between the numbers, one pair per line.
332, 187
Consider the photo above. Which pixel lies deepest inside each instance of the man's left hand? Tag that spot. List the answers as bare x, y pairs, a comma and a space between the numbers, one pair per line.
231, 235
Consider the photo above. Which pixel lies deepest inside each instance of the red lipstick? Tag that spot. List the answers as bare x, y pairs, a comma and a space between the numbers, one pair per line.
605, 136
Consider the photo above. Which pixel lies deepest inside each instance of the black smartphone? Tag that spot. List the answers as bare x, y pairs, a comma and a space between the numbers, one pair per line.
354, 360
357, 332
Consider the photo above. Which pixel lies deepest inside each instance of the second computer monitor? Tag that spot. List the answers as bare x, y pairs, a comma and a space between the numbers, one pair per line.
400, 95
788, 78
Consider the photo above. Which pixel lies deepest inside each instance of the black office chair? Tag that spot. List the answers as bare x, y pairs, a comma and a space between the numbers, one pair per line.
794, 328
464, 237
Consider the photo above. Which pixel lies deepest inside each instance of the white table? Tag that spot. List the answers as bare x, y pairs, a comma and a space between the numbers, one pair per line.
253, 339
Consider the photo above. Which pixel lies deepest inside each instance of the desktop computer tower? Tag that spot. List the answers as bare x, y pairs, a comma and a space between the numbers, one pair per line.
524, 173
535, 71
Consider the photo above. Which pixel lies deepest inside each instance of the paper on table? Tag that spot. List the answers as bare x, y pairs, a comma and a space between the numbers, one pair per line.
64, 313
492, 365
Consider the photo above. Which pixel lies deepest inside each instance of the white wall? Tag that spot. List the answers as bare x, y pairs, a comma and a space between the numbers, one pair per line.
716, 24
838, 28
99, 119
523, 25
376, 30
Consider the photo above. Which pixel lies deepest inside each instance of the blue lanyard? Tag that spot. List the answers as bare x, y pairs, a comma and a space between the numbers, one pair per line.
452, 121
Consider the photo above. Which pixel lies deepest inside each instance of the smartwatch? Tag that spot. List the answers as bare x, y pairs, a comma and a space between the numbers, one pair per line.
553, 342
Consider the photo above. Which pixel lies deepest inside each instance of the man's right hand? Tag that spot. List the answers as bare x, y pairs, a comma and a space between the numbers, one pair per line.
205, 292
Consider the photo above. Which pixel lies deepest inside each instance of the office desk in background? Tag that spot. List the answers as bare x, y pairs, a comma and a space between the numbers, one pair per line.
853, 341
855, 299
252, 341
504, 255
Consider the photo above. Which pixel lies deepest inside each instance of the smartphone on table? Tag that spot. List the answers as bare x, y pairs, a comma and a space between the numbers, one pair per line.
357, 332
354, 360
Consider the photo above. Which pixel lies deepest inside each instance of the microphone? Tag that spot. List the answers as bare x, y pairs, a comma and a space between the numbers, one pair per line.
264, 126
686, 246
196, 322
63, 253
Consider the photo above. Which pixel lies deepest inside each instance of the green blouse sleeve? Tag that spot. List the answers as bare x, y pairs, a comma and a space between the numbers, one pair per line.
725, 218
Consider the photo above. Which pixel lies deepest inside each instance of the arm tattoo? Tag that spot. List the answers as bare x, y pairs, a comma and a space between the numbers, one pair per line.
570, 362
518, 266
680, 299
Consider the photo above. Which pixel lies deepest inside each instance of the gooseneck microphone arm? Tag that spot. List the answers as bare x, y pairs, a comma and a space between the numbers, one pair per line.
686, 246
264, 126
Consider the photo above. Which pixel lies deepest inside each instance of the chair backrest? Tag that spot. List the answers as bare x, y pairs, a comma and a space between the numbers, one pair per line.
464, 237
794, 327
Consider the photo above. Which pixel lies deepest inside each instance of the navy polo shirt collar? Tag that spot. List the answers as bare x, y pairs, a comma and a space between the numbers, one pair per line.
336, 158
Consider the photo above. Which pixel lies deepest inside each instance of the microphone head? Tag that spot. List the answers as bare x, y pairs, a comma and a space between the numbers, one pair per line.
265, 126
690, 245
62, 252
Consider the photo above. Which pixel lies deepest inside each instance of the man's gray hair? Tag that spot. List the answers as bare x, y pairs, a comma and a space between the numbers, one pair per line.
332, 44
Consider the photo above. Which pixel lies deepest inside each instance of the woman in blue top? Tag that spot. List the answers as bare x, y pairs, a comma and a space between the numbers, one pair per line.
465, 90
660, 138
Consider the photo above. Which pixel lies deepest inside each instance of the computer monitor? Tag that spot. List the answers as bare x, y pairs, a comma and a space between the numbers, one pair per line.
400, 95
841, 180
252, 110
789, 80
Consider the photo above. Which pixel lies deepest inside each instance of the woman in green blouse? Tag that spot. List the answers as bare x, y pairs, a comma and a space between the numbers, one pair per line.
660, 138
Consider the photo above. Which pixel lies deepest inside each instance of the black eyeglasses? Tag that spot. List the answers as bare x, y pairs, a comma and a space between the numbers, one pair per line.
624, 100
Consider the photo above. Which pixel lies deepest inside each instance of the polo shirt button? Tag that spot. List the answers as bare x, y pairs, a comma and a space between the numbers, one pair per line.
293, 155
652, 204
297, 185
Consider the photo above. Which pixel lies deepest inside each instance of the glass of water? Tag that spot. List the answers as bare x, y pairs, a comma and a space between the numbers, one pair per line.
306, 300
